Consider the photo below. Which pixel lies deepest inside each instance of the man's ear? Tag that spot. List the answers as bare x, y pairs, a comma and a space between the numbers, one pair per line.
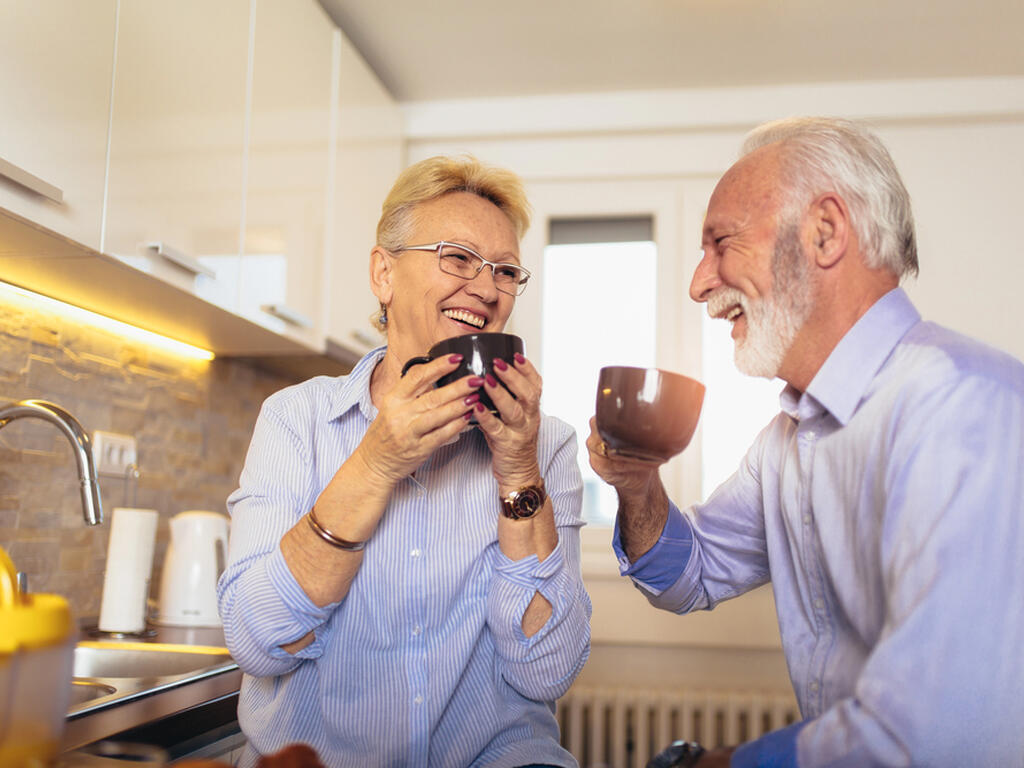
381, 274
829, 223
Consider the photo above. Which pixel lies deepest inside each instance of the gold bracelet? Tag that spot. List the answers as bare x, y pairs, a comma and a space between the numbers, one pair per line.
335, 541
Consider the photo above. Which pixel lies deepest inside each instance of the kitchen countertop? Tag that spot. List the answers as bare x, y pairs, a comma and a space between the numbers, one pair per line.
179, 708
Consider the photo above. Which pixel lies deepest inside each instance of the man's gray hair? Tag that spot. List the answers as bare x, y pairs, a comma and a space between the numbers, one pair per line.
822, 155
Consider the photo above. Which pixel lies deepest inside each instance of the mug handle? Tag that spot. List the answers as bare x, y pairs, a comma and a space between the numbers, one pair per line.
414, 361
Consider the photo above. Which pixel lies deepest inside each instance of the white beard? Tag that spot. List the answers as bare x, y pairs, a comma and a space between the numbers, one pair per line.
773, 321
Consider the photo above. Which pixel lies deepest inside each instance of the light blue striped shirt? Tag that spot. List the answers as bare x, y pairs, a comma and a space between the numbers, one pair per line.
886, 506
424, 662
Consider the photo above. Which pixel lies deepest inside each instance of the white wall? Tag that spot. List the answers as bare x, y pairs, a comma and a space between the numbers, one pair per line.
960, 146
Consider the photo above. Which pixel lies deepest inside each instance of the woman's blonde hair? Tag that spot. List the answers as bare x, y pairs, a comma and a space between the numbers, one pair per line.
441, 175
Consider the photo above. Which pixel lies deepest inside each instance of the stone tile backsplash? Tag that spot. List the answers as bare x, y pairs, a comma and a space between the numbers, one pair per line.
192, 421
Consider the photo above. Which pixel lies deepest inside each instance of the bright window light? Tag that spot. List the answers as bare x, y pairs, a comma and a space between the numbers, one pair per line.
736, 407
77, 314
599, 309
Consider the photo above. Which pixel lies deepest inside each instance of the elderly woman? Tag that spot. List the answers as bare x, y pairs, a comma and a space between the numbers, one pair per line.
384, 606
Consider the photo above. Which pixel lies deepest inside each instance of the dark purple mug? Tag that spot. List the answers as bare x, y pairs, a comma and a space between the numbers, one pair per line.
479, 351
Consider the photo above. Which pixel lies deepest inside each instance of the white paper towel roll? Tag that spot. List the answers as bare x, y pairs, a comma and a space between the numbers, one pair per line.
129, 565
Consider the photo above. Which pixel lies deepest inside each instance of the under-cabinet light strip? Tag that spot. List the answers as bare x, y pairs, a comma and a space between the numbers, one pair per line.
77, 314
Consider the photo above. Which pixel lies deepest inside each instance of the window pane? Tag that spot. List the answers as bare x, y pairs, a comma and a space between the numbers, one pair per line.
736, 407
599, 309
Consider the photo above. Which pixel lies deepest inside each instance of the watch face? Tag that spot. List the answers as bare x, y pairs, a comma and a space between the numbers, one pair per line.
526, 503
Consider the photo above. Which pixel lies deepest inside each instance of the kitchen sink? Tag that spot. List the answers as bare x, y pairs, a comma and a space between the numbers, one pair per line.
144, 660
118, 685
111, 674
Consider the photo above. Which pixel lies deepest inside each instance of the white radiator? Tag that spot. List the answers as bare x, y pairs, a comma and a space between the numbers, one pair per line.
625, 727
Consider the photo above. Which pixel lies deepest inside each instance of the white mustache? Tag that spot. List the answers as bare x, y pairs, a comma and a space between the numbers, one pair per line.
722, 299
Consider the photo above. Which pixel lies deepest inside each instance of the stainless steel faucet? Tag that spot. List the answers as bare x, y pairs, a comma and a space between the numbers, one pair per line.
92, 508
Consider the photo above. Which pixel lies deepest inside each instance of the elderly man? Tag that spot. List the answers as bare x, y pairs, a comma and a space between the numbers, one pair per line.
885, 503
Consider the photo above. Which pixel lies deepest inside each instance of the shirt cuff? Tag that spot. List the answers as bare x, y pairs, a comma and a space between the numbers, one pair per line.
662, 565
293, 613
530, 572
515, 584
773, 750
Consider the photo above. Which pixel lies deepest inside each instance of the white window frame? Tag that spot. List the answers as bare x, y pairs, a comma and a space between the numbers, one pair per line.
677, 208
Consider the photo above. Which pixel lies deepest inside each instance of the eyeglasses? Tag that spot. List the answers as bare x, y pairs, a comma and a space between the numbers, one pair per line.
466, 263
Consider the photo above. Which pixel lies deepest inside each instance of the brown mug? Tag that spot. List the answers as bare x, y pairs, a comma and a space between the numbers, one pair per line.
646, 413
479, 351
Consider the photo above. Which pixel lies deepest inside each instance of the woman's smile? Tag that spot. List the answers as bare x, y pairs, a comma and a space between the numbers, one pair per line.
465, 317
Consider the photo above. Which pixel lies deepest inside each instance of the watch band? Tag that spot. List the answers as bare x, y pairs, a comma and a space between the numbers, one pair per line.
524, 502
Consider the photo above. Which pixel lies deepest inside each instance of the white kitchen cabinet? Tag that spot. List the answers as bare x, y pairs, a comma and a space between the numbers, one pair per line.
56, 60
177, 143
370, 155
281, 284
221, 166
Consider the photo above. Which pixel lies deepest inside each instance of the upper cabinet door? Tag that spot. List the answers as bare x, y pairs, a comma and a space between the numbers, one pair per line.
56, 59
370, 154
288, 170
177, 142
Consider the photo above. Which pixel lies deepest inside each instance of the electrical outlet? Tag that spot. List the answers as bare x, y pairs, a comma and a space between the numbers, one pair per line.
113, 453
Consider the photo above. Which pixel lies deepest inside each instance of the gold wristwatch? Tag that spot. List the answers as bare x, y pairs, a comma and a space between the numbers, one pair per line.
524, 502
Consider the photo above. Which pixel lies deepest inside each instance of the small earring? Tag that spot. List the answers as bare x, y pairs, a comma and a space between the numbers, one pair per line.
382, 318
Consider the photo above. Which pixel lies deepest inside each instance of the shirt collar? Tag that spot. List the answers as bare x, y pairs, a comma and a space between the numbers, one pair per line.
843, 380
354, 389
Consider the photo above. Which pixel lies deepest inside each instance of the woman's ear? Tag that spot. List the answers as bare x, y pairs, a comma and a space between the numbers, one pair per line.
830, 230
381, 274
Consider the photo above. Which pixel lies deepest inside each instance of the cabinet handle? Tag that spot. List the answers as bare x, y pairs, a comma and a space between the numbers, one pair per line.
183, 260
289, 315
30, 181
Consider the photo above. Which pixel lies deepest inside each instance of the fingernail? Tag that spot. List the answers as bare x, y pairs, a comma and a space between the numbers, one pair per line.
471, 399
456, 358
491, 381
519, 358
500, 364
476, 381
467, 415
480, 407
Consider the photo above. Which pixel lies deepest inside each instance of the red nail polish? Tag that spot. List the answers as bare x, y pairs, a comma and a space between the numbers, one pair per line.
491, 381
471, 399
480, 407
519, 358
476, 381
467, 415
500, 364
456, 358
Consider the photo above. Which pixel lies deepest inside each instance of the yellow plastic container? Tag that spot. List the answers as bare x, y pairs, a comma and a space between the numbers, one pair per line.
37, 641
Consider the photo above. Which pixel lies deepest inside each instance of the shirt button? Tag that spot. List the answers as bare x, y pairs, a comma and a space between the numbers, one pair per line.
819, 603
414, 553
417, 629
809, 435
418, 699
814, 686
807, 519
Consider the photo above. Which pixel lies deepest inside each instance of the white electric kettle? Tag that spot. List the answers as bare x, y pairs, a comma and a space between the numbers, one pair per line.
195, 560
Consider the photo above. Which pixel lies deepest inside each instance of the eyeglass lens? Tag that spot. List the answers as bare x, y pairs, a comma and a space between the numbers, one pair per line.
508, 278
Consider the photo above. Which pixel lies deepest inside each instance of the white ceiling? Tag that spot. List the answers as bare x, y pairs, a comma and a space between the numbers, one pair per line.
445, 49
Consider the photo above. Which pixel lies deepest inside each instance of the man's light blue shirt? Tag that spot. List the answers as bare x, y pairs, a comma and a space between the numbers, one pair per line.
886, 506
424, 662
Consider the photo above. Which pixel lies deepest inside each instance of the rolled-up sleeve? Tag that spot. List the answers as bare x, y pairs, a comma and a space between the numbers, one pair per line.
261, 604
544, 665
